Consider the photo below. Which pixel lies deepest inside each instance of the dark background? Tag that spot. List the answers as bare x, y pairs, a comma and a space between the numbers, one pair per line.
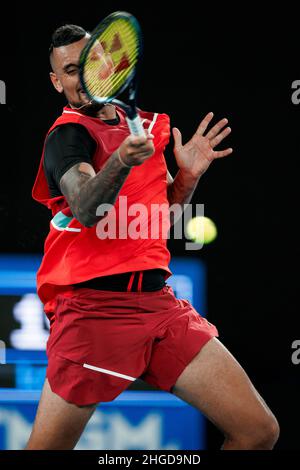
240, 64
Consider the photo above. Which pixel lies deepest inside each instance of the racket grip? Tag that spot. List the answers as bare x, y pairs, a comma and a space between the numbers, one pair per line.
135, 126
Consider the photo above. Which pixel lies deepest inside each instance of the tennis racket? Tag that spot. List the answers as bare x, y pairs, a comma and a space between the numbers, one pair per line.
108, 65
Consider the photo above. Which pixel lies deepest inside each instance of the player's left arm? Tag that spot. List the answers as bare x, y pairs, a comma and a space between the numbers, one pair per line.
194, 158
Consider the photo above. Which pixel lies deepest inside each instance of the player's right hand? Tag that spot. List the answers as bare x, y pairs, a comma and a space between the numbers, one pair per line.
136, 149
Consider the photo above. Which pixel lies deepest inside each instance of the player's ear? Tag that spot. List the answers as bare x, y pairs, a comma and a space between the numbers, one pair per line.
56, 82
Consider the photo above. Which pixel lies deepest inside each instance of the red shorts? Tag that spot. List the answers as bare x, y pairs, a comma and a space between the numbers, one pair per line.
102, 341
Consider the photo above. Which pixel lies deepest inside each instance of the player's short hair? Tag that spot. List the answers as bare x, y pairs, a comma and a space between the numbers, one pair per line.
65, 35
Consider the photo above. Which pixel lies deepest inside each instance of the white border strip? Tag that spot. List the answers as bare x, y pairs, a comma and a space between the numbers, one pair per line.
72, 229
71, 112
153, 122
149, 128
68, 229
109, 372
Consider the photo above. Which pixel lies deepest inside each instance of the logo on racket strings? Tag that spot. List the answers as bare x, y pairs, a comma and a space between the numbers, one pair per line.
119, 58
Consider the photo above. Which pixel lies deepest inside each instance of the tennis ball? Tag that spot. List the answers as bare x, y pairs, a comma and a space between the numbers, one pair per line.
201, 230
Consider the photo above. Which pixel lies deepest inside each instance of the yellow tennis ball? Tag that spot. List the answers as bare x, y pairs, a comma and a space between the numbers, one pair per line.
201, 230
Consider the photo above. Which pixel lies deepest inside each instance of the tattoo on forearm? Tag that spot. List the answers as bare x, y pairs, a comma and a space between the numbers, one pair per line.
85, 192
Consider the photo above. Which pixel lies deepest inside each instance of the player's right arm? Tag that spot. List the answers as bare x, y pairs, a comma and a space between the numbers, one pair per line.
85, 190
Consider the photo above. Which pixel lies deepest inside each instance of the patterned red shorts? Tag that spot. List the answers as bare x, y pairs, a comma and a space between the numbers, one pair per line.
102, 341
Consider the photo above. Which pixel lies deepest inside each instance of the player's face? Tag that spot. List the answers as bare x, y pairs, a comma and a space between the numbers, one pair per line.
65, 75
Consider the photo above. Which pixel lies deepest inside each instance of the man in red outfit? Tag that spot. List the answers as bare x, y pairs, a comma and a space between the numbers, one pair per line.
113, 317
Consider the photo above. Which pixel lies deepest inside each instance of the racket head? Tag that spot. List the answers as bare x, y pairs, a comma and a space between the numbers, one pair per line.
108, 62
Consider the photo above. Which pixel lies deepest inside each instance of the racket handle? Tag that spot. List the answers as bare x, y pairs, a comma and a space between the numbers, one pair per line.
135, 126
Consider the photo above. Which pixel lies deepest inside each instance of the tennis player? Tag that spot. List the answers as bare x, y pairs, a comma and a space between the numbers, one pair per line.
113, 317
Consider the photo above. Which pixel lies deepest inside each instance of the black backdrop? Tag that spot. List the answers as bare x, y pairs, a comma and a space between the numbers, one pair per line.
239, 64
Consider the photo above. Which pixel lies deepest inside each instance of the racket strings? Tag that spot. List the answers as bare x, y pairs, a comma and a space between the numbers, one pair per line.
112, 59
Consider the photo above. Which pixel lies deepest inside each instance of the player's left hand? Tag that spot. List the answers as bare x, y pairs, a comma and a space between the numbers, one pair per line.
197, 154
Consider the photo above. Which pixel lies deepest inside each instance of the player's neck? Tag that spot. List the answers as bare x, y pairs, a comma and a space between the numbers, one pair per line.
107, 112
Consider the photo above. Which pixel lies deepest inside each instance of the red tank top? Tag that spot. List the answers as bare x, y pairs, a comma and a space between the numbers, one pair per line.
74, 253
